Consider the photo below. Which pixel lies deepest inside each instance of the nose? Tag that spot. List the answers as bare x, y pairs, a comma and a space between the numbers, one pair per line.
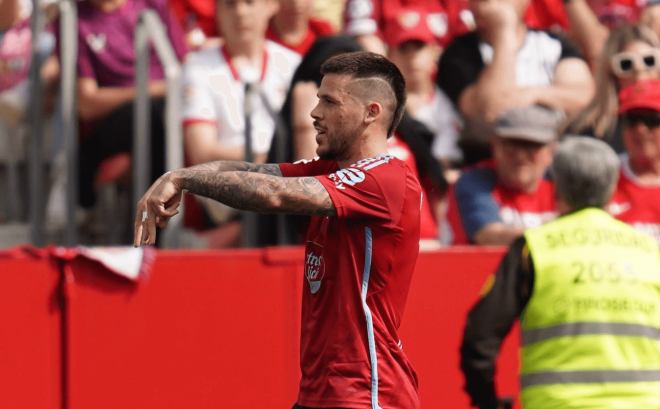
316, 112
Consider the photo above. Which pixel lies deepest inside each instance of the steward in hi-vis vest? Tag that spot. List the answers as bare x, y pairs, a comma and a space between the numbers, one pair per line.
586, 289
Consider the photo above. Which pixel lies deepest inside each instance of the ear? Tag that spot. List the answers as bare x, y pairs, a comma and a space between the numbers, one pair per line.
374, 112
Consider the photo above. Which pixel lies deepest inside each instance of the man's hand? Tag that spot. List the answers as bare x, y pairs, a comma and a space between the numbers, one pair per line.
156, 208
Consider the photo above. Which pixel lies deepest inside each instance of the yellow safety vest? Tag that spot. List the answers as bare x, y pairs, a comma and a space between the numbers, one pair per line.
590, 331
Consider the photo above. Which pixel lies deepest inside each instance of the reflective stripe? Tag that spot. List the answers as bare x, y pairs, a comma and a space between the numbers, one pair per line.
588, 328
370, 322
546, 378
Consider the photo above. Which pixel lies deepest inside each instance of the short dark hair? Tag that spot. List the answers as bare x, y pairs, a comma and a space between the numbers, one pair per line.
365, 64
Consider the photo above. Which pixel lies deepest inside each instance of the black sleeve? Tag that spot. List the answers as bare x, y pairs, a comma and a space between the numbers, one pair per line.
459, 66
491, 319
568, 48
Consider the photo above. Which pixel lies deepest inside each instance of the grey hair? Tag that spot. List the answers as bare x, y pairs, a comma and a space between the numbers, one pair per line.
585, 171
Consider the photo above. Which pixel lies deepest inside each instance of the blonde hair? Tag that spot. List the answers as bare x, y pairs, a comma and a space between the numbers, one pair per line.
601, 113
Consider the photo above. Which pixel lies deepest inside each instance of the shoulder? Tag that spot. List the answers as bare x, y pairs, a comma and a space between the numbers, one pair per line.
285, 61
320, 26
208, 58
388, 172
551, 40
462, 44
482, 177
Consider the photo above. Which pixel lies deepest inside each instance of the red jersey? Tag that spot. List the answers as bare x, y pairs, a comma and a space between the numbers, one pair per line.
636, 204
358, 268
317, 28
428, 225
477, 199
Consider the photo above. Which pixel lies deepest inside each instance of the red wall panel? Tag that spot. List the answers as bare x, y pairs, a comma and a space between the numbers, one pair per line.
30, 360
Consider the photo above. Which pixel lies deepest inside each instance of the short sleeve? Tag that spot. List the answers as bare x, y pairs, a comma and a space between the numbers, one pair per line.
460, 66
362, 17
369, 192
312, 167
197, 104
568, 48
474, 200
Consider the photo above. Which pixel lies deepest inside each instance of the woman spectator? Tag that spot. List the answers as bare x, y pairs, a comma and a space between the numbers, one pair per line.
631, 53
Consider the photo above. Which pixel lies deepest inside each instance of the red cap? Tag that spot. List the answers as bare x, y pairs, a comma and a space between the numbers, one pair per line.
414, 25
642, 94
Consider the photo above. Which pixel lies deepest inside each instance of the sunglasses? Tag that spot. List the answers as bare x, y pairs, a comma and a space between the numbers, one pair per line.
650, 120
625, 63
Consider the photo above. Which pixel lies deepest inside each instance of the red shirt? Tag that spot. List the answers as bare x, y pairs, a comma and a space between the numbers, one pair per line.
477, 199
428, 225
317, 28
358, 268
196, 13
636, 204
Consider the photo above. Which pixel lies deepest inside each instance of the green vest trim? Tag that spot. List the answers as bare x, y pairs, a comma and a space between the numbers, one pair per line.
588, 328
548, 378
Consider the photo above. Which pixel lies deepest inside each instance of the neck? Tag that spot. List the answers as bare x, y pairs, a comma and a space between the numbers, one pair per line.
648, 174
290, 29
369, 148
246, 53
108, 6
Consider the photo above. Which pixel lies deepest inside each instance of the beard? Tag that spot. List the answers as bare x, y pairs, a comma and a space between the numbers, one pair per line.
337, 148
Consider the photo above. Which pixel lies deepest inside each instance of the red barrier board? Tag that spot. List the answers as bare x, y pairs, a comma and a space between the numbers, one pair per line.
445, 286
207, 330
30, 359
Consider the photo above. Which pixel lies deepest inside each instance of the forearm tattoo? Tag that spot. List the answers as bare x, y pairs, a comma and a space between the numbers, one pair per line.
239, 166
260, 191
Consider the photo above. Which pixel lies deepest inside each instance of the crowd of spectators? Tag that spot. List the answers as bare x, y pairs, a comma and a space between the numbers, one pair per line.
492, 86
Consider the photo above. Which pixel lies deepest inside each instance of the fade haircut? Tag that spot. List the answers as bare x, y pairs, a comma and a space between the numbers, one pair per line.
364, 65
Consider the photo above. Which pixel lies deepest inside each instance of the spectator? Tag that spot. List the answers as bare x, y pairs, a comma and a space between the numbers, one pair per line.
650, 16
620, 65
412, 47
505, 65
365, 19
198, 20
294, 26
637, 197
214, 90
106, 84
495, 202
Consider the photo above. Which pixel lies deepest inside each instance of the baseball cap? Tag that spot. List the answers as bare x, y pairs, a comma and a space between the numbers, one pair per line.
641, 94
533, 123
414, 25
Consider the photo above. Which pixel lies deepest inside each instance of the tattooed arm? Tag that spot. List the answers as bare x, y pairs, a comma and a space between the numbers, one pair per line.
256, 189
240, 166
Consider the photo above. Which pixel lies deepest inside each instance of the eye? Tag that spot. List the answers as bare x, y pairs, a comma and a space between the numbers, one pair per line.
649, 61
626, 64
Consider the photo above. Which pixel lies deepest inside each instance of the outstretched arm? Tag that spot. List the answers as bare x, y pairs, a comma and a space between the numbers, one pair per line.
258, 188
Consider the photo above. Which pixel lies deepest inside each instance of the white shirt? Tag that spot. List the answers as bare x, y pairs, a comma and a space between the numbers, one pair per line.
439, 115
213, 92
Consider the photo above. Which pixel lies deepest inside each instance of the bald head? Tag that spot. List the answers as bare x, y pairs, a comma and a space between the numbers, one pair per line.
373, 79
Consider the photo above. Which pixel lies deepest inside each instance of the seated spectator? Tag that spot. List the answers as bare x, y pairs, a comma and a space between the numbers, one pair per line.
365, 19
630, 54
650, 16
106, 84
214, 81
294, 26
413, 49
637, 197
495, 202
505, 65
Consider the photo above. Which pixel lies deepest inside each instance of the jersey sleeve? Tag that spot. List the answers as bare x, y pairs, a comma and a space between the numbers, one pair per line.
197, 101
308, 167
372, 190
362, 17
474, 200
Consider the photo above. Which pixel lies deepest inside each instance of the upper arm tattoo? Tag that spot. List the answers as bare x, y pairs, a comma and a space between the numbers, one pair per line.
258, 190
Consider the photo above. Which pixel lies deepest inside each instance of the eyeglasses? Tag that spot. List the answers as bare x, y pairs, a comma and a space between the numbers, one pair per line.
650, 120
624, 63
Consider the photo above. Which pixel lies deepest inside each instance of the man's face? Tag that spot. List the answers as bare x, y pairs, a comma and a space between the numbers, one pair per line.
417, 61
338, 118
641, 136
521, 164
244, 21
297, 8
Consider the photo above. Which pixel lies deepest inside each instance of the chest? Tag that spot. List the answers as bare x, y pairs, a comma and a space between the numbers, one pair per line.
526, 211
